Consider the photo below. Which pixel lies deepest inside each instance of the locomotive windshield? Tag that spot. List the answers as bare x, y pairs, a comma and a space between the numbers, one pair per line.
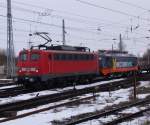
35, 56
23, 56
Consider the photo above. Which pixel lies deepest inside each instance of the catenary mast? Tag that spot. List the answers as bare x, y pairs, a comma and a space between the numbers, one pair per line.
10, 44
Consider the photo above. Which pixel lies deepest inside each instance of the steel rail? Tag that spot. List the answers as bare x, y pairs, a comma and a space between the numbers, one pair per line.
109, 112
50, 98
45, 99
128, 117
45, 109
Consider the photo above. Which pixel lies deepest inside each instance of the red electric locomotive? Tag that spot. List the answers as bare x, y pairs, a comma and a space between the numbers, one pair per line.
56, 63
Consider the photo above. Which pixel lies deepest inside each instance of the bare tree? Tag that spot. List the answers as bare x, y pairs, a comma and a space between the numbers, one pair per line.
3, 57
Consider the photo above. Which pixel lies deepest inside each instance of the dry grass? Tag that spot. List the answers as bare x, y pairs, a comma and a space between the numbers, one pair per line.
146, 122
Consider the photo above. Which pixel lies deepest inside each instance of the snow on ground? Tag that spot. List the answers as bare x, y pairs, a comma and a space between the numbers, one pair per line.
6, 87
25, 96
130, 110
137, 121
64, 112
99, 121
94, 84
31, 95
104, 99
145, 84
6, 79
142, 96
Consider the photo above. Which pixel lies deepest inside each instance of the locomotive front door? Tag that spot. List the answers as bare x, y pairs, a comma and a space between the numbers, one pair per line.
50, 64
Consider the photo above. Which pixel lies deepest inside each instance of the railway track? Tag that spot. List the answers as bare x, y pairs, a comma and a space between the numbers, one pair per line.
17, 90
50, 98
42, 100
98, 114
7, 84
47, 108
128, 117
14, 91
10, 92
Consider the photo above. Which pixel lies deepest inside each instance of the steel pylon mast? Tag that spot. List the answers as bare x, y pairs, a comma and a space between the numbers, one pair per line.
121, 46
10, 44
63, 32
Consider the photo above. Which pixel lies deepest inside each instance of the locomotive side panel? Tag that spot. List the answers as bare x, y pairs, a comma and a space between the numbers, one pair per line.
110, 65
74, 63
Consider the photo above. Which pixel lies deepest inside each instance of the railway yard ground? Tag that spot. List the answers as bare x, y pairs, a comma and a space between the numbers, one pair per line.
100, 103
74, 62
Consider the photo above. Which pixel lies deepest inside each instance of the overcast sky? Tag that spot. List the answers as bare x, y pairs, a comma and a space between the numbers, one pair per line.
92, 23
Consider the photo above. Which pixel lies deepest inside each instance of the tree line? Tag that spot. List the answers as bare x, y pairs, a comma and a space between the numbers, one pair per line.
146, 55
3, 57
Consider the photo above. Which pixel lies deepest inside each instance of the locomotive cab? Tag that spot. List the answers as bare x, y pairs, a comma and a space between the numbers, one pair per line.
29, 65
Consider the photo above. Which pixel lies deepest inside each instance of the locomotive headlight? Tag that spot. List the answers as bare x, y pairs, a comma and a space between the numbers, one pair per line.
36, 70
19, 70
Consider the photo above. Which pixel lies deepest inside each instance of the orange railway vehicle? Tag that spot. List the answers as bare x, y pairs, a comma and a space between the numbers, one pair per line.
116, 63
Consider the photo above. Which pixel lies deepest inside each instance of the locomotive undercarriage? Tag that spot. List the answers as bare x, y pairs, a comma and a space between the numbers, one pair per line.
53, 82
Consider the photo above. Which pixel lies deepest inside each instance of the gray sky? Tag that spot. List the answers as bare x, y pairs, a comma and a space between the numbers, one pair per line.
94, 25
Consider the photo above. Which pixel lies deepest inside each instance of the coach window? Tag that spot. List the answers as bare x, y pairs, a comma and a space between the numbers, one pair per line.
62, 57
79, 57
55, 57
87, 57
35, 56
75, 56
92, 57
23, 56
50, 57
84, 57
70, 57
59, 57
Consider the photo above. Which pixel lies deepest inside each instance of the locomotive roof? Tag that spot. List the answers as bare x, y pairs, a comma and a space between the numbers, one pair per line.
116, 53
55, 51
61, 48
67, 48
